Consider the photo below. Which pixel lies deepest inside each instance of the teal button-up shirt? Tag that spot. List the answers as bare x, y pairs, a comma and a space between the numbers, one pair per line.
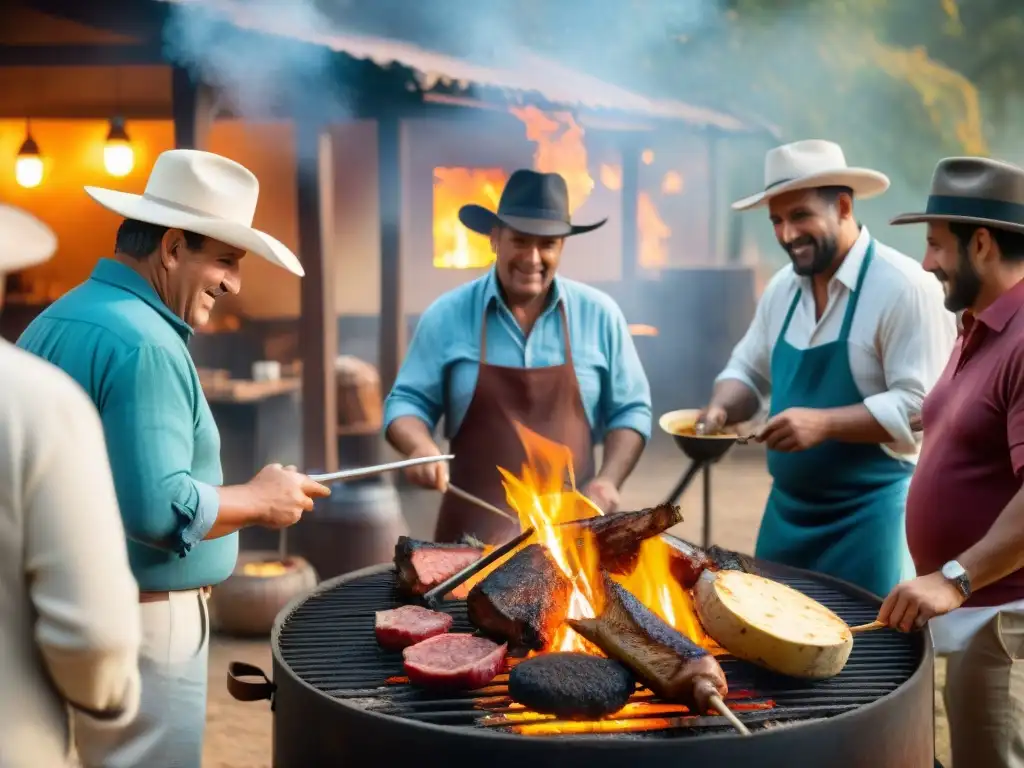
439, 372
121, 343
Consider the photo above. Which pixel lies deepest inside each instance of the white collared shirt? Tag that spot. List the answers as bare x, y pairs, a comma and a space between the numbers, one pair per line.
900, 340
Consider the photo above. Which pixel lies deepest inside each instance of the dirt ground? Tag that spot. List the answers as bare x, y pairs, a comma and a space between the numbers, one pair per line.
239, 734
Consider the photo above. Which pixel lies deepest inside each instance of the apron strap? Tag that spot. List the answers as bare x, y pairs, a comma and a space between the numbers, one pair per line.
483, 337
789, 315
565, 332
851, 306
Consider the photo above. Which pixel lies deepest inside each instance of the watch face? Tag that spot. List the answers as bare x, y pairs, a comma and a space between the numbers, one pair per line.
953, 570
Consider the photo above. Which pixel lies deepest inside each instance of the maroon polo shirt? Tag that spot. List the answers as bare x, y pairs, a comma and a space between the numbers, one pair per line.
972, 460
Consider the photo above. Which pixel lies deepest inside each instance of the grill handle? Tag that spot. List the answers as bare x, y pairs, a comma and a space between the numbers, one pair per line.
249, 690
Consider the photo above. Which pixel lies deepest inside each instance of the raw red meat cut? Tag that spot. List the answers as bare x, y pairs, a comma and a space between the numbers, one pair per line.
422, 565
407, 625
454, 661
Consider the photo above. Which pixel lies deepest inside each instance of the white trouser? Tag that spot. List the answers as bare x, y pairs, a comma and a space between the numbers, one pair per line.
168, 731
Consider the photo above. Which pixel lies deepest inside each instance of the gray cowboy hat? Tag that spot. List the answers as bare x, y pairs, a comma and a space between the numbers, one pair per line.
974, 190
532, 203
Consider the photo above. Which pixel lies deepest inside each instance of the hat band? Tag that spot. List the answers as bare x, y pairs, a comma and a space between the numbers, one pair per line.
975, 208
549, 214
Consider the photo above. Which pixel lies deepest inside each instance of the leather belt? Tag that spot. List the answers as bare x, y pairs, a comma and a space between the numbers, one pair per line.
162, 597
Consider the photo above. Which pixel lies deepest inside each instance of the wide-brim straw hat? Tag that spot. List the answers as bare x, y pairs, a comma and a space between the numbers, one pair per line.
203, 193
812, 164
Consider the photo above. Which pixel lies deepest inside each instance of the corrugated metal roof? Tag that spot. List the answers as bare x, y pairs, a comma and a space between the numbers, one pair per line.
556, 83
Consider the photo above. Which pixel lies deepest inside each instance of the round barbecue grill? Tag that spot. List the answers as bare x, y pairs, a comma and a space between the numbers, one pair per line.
340, 700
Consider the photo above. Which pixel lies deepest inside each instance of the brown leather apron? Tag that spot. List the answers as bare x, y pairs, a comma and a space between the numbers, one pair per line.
546, 401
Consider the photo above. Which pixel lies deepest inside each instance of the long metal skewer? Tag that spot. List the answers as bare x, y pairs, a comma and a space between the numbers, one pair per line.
435, 595
467, 496
352, 474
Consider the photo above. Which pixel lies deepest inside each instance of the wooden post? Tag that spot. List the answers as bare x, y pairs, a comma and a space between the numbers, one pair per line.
630, 209
392, 312
715, 239
193, 108
318, 321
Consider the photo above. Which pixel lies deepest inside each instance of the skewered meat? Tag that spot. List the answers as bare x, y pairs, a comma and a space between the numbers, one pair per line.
453, 661
668, 663
571, 685
619, 536
422, 565
687, 561
524, 600
407, 625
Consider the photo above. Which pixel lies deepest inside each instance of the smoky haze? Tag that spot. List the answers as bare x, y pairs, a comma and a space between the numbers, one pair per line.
623, 41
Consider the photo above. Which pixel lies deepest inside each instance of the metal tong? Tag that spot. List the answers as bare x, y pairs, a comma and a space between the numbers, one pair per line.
354, 474
436, 595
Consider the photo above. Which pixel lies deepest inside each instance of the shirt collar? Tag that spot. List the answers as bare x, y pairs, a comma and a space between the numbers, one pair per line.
997, 314
849, 270
493, 296
127, 279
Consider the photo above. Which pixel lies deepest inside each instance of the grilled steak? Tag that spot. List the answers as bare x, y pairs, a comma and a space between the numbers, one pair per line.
524, 600
407, 625
686, 561
668, 663
619, 536
422, 565
571, 685
453, 661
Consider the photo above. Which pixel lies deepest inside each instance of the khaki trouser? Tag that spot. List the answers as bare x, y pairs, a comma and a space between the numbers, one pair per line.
168, 731
984, 696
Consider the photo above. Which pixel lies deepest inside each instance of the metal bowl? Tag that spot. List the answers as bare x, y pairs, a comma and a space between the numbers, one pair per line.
703, 448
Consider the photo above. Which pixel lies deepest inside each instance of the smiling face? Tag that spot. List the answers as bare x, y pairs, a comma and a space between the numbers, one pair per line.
194, 278
949, 260
526, 264
807, 225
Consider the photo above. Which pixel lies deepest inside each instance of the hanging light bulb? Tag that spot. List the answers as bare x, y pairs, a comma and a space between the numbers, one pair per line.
28, 167
118, 155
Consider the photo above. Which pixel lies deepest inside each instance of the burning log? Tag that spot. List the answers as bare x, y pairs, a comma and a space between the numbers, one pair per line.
572, 686
524, 600
619, 536
422, 565
668, 663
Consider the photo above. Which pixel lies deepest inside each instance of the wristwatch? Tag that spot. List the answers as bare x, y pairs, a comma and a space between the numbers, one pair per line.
957, 574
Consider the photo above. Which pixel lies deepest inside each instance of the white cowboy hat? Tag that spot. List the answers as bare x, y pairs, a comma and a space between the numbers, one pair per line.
24, 240
809, 164
203, 193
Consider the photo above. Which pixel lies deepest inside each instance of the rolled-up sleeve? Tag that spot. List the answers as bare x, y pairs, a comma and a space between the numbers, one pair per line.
85, 597
148, 418
625, 391
419, 387
915, 338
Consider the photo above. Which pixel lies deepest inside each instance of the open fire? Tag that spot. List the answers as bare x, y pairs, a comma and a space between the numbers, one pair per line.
560, 148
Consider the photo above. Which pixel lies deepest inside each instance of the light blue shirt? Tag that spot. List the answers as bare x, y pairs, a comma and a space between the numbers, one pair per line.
438, 375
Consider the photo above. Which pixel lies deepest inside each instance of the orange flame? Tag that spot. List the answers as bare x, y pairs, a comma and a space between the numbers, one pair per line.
654, 234
543, 502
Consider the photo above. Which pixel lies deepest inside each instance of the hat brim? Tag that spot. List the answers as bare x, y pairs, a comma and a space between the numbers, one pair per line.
164, 214
864, 182
481, 220
924, 218
25, 241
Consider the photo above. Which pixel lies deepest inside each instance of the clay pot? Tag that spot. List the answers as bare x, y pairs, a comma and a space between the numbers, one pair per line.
248, 601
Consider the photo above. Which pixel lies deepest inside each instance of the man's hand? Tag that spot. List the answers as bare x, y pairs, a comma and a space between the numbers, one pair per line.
433, 476
282, 494
795, 429
913, 603
711, 420
603, 493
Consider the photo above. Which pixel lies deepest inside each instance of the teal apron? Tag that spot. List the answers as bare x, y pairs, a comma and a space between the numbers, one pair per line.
837, 508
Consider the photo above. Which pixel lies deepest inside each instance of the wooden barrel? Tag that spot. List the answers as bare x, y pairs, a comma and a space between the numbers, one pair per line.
360, 405
247, 603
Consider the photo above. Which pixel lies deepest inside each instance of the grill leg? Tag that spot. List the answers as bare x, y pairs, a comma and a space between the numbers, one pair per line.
684, 482
707, 505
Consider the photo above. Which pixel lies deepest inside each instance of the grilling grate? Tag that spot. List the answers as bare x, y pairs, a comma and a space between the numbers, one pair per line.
329, 643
